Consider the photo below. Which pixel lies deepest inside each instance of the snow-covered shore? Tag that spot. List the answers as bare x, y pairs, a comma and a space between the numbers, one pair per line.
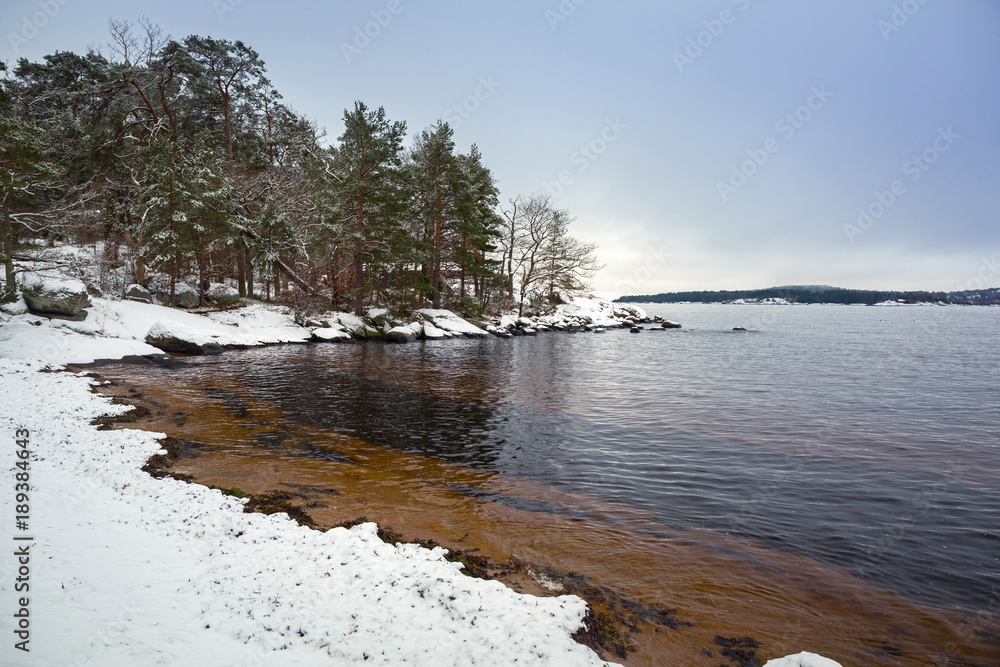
129, 570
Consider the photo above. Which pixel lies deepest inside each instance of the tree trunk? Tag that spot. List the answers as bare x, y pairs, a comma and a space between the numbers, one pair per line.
8, 251
359, 278
241, 272
249, 267
201, 269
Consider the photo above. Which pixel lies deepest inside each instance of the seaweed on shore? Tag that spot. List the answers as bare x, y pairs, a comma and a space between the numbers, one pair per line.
600, 633
740, 650
158, 465
273, 502
105, 422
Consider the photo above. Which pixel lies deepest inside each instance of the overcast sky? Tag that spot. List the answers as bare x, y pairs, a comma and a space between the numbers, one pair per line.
702, 145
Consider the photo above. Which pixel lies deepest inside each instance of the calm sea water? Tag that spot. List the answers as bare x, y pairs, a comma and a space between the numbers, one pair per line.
866, 438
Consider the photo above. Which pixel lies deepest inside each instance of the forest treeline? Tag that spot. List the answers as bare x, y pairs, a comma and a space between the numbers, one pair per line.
183, 160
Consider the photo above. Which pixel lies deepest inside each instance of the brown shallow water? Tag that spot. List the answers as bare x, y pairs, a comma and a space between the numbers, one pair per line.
720, 586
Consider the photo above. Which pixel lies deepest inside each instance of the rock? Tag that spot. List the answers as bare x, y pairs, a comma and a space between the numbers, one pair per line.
431, 332
174, 337
379, 317
136, 292
185, 296
52, 295
223, 295
316, 324
19, 307
403, 334
355, 326
667, 324
450, 323
635, 330
738, 329
525, 323
528, 331
330, 334
94, 290
598, 330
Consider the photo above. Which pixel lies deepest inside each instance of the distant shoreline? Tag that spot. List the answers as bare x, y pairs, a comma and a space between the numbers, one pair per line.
822, 295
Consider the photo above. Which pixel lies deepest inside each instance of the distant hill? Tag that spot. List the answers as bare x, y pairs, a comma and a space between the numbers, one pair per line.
821, 294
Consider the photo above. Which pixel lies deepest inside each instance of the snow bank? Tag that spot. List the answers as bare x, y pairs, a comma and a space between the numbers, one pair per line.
115, 329
802, 660
132, 570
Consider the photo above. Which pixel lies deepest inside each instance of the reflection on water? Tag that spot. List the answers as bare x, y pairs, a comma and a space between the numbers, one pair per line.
864, 438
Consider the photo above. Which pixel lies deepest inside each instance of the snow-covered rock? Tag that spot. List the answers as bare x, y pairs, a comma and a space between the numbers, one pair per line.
354, 325
137, 292
185, 296
62, 296
449, 322
431, 332
403, 334
171, 336
223, 295
19, 307
330, 334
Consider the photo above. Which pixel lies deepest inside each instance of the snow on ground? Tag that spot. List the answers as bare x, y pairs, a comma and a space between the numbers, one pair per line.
131, 570
802, 660
114, 329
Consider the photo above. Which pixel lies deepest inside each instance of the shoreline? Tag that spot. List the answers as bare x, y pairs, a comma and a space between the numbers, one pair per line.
393, 501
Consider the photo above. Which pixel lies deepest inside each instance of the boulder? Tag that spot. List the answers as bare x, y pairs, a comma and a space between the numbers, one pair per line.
185, 296
223, 295
634, 330
57, 296
431, 332
94, 290
507, 322
174, 337
136, 292
355, 326
738, 329
667, 324
403, 334
450, 323
330, 334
